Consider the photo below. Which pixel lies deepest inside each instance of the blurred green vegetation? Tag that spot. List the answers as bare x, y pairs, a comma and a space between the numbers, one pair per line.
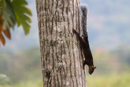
24, 68
110, 80
22, 65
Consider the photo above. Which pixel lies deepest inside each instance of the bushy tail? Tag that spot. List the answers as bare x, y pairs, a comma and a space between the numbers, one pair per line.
84, 20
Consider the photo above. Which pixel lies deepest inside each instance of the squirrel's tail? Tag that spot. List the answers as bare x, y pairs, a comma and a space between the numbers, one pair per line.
84, 20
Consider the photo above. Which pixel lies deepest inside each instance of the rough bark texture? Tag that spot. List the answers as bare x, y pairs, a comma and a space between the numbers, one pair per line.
60, 52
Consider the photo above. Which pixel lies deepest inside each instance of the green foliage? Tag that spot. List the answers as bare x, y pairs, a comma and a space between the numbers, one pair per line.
15, 11
8, 16
2, 5
21, 13
4, 80
30, 83
24, 69
110, 80
21, 66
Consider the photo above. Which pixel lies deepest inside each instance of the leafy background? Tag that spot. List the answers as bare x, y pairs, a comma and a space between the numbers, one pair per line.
108, 27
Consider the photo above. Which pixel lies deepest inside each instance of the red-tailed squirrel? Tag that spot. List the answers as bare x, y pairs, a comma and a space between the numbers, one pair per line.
88, 58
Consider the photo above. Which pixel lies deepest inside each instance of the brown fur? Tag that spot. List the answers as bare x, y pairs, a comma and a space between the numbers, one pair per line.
86, 52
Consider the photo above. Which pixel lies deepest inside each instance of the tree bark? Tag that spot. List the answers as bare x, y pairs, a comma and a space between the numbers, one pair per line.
61, 57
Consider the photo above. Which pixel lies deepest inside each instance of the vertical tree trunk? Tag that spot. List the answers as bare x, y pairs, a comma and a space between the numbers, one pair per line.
60, 52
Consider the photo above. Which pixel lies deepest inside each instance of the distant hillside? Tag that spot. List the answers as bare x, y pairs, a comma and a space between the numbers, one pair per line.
27, 64
21, 65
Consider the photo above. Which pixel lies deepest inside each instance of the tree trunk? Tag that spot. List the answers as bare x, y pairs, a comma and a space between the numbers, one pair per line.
61, 57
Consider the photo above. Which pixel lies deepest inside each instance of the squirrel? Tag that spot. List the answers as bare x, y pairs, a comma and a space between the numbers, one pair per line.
84, 43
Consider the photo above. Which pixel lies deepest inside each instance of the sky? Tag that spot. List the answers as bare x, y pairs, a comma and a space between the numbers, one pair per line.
21, 42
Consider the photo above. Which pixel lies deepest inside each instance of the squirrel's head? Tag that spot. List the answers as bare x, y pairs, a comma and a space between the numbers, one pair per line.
91, 69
